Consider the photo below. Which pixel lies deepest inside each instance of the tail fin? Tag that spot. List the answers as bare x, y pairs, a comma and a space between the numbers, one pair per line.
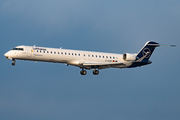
146, 52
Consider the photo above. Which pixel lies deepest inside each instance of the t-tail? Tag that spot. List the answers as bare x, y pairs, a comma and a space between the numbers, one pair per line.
145, 53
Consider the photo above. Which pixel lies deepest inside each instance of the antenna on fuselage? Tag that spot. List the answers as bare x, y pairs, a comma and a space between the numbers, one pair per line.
60, 47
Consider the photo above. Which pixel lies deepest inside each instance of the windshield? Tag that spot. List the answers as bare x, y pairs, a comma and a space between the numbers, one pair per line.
18, 49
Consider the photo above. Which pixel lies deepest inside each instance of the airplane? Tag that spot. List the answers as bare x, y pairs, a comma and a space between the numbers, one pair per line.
85, 60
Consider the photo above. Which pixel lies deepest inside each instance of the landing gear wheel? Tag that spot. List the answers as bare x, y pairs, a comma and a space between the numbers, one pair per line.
13, 64
83, 72
95, 72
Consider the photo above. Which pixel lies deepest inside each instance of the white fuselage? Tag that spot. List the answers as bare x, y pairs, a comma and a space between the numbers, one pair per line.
70, 57
83, 59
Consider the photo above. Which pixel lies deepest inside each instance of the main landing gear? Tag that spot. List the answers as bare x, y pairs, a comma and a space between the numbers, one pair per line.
95, 72
84, 72
13, 63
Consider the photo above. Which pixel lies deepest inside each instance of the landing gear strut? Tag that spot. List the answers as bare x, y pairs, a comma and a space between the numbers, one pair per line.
83, 72
95, 72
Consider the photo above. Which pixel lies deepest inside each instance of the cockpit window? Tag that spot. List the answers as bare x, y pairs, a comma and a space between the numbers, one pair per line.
18, 49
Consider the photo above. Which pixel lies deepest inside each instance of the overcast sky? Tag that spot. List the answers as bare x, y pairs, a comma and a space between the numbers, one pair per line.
52, 91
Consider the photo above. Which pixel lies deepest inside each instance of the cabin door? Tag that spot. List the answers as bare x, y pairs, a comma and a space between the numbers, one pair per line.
29, 52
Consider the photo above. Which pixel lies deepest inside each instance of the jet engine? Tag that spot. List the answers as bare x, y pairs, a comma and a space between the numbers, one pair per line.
129, 57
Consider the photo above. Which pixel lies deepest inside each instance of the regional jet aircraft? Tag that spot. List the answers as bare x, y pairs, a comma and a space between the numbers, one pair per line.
85, 60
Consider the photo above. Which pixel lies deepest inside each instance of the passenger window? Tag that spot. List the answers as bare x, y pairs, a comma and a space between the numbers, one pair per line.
106, 56
75, 54
58, 52
51, 52
88, 55
92, 55
37, 50
62, 53
99, 56
72, 53
40, 51
79, 54
65, 53
84, 55
103, 56
69, 53
47, 51
54, 52
113, 57
110, 57
44, 51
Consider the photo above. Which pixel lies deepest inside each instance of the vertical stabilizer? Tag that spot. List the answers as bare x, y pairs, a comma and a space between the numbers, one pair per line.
146, 52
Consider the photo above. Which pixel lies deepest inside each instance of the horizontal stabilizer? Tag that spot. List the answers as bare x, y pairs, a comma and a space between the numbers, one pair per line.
157, 45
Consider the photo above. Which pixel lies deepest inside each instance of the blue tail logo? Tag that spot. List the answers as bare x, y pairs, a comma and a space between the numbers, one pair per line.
146, 52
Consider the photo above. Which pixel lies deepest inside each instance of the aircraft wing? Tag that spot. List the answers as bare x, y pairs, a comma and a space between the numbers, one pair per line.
105, 64
102, 63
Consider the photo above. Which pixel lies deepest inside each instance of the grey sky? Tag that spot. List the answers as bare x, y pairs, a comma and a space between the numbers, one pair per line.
43, 91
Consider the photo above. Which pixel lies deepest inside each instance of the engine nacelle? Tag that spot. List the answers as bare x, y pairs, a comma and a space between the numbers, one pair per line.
129, 57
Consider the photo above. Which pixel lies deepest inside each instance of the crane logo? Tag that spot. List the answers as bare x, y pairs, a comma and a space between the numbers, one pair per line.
146, 52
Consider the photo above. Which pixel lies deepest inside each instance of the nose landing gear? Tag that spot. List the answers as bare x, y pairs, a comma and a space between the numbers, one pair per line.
13, 63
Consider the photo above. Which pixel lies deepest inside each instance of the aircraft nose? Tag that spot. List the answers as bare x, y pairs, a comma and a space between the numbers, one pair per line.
6, 54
